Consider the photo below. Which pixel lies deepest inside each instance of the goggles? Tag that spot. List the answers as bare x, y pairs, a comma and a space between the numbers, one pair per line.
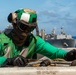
23, 26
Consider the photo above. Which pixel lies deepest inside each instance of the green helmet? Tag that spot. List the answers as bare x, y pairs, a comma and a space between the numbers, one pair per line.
24, 17
27, 15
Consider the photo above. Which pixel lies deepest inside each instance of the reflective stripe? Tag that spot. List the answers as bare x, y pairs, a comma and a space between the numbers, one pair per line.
25, 17
8, 50
24, 52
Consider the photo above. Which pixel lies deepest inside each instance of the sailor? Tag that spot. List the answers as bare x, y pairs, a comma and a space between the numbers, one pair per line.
19, 45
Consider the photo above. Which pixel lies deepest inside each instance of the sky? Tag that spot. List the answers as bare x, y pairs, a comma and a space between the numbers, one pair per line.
51, 13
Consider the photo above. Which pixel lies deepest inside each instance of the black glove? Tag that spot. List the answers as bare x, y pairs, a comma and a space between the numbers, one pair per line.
71, 55
45, 63
16, 61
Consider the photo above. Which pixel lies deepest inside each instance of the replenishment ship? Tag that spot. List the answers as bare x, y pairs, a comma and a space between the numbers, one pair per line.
61, 40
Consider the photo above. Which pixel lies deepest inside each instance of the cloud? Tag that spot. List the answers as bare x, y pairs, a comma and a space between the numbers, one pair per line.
47, 16
59, 13
48, 13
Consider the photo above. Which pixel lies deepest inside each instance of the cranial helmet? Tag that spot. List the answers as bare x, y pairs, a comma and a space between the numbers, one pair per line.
24, 16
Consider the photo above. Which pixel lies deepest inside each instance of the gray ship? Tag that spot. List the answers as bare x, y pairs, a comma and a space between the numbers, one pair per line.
61, 40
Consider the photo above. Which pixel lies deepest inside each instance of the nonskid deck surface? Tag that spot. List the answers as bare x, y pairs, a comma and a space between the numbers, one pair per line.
38, 71
55, 67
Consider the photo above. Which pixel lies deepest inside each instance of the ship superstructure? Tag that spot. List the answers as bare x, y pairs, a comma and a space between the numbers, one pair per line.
61, 40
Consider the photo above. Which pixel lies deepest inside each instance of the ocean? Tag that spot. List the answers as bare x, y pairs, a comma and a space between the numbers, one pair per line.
75, 39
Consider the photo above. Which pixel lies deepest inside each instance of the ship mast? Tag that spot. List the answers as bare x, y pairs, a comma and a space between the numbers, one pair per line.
62, 31
53, 32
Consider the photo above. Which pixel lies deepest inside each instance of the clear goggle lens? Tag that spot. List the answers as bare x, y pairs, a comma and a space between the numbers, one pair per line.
26, 27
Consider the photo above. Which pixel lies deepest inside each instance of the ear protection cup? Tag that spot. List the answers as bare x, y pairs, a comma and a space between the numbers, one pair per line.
9, 18
12, 17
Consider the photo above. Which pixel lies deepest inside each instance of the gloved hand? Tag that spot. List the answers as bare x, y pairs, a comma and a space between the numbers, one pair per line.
16, 61
71, 55
45, 62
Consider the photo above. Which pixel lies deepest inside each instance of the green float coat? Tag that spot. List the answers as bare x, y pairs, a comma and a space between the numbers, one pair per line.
40, 46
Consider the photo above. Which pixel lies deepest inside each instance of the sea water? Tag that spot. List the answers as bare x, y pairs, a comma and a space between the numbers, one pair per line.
75, 39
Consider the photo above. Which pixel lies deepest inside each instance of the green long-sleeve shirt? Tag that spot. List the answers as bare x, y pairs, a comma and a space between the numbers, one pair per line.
36, 45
